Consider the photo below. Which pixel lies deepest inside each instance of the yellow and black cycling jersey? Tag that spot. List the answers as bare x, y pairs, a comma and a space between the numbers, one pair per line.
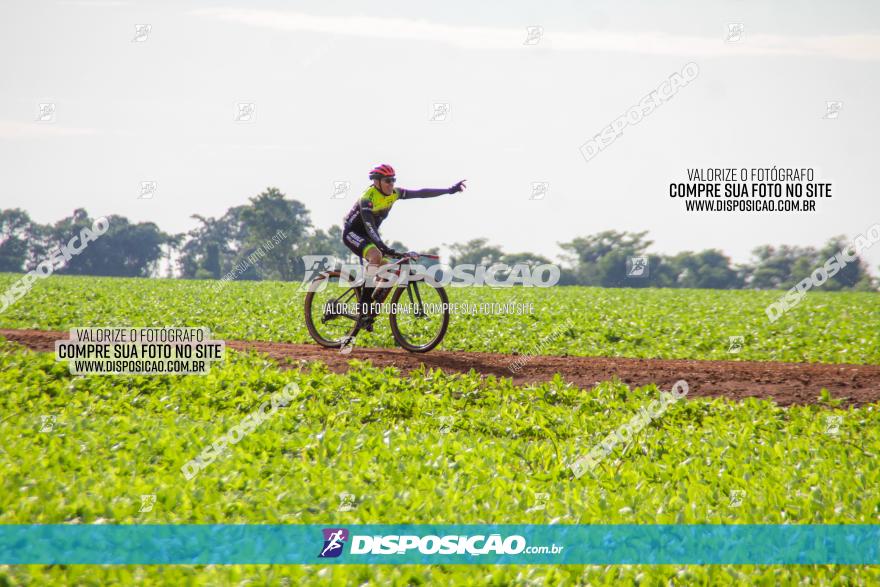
371, 209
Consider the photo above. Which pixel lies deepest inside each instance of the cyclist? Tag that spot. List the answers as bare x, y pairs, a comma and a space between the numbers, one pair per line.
360, 231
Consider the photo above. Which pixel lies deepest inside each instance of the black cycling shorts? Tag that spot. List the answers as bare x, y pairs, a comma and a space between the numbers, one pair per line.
358, 243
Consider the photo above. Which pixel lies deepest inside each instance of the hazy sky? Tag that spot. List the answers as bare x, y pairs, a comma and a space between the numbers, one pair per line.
340, 86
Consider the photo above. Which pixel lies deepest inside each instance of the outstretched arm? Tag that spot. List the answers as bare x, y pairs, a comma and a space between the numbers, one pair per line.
406, 194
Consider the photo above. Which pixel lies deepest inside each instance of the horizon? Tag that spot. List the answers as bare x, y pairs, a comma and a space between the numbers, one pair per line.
557, 258
520, 93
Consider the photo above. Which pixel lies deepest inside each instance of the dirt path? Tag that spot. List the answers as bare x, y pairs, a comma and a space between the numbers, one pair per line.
787, 383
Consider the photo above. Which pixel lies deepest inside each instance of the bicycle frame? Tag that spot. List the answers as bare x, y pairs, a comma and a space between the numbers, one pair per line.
386, 286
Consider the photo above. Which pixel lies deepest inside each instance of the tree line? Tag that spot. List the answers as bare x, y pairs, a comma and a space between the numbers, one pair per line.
606, 259
218, 247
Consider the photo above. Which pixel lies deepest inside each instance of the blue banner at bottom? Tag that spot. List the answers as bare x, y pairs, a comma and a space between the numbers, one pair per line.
440, 544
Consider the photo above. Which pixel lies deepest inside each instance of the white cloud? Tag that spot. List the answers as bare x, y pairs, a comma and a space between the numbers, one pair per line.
15, 129
242, 146
95, 3
849, 46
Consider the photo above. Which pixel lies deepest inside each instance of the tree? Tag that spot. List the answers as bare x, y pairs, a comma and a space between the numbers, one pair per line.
269, 215
327, 242
601, 259
213, 248
853, 275
709, 269
531, 260
16, 231
320, 242
124, 250
263, 238
475, 252
779, 268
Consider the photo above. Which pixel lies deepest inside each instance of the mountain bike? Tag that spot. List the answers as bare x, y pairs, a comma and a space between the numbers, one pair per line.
418, 310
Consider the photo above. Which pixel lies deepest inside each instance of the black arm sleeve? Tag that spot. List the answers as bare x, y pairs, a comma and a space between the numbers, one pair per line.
406, 194
369, 221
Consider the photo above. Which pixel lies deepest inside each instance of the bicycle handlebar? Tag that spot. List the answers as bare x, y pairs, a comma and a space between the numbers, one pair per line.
403, 258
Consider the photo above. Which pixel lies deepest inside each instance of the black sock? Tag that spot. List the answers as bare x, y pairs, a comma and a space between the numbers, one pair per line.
367, 299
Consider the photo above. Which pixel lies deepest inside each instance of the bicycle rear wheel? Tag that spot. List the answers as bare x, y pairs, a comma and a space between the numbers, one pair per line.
332, 310
420, 320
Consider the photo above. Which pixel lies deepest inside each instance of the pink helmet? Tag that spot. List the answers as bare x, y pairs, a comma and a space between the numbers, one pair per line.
381, 171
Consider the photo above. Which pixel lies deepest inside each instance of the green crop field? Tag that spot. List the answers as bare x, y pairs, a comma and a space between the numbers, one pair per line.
436, 448
652, 323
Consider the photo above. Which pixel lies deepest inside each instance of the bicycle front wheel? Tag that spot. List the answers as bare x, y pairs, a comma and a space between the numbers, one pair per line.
419, 315
332, 310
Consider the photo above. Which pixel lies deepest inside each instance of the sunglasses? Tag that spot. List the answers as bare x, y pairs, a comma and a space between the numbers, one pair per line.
389, 179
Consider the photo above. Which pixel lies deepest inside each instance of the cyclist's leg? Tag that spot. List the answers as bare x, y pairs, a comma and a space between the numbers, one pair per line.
373, 256
382, 283
364, 248
355, 242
